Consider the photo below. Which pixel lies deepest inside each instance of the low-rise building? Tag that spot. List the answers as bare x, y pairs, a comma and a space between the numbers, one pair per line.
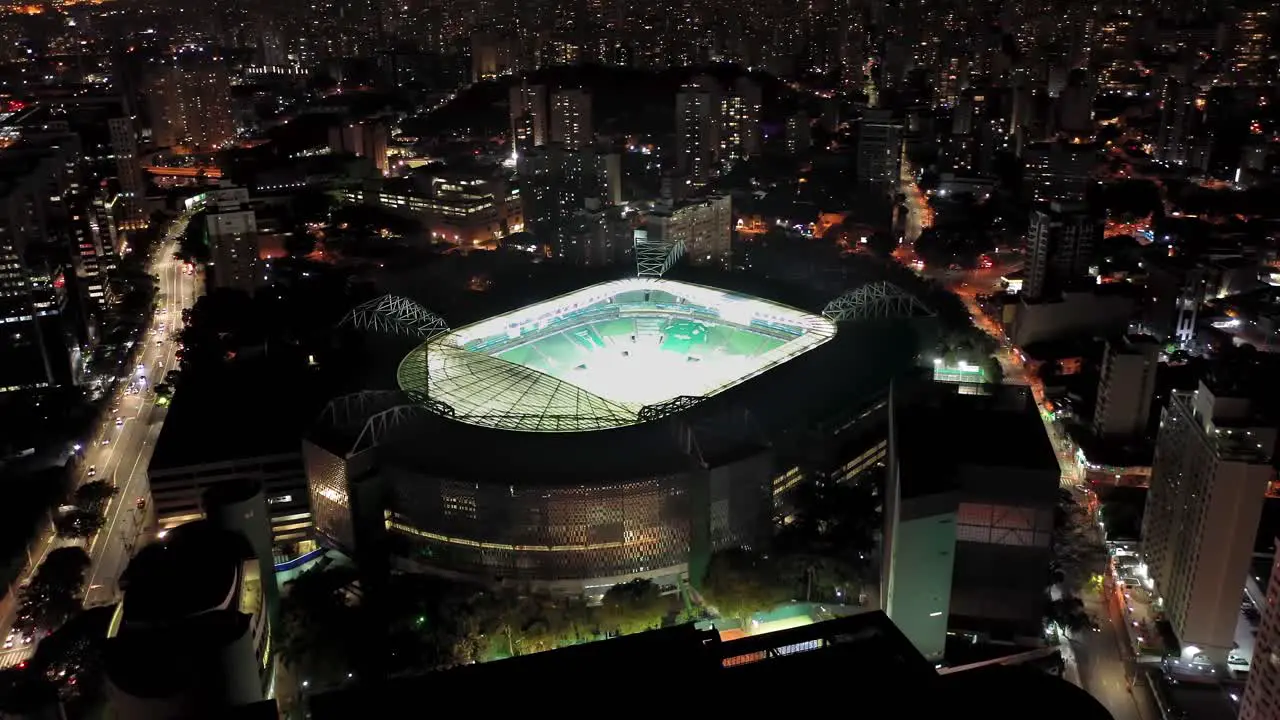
457, 208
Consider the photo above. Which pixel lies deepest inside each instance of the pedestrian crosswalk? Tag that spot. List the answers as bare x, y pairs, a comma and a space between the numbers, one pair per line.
14, 656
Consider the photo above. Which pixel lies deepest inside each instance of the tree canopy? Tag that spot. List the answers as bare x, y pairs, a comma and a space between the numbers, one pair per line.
632, 607
54, 593
92, 494
740, 583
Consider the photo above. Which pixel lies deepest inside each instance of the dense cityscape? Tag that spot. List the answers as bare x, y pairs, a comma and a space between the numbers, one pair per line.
356, 355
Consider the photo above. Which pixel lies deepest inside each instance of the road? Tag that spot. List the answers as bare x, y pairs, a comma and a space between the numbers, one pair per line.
919, 214
1105, 672
1103, 659
121, 447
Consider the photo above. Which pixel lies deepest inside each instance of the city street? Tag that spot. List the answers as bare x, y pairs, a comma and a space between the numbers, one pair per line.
122, 446
1103, 660
1105, 673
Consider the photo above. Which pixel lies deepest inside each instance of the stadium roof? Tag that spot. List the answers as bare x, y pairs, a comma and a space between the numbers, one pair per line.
498, 393
482, 389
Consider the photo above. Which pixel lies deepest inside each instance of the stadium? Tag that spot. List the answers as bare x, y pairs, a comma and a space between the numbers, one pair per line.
627, 429
596, 358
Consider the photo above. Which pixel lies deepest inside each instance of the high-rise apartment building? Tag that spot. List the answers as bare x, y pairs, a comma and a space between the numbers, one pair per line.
191, 104
697, 131
608, 237
571, 124
1074, 105
1261, 699
92, 252
41, 328
1252, 33
879, 148
1059, 171
491, 56
108, 138
133, 188
799, 134
233, 249
1208, 481
362, 138
528, 104
702, 227
555, 187
1060, 244
739, 117
1177, 113
715, 127
1125, 390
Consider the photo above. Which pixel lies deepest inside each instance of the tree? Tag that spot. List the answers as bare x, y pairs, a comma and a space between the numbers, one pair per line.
633, 607
882, 244
92, 494
300, 243
54, 592
740, 583
77, 523
992, 371
72, 656
24, 693
193, 246
310, 205
320, 626
1069, 613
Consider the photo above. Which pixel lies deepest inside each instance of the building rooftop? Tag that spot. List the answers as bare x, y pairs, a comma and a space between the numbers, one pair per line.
192, 571
863, 659
938, 431
163, 662
252, 411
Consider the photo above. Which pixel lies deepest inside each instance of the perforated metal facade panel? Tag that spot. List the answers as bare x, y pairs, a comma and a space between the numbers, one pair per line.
541, 533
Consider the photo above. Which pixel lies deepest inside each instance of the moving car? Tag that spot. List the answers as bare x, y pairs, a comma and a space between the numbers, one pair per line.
93, 470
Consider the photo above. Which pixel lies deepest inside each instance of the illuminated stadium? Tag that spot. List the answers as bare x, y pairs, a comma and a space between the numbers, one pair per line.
627, 429
595, 358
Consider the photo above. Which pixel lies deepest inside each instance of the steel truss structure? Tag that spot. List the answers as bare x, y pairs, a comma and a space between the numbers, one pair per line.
396, 315
374, 416
655, 257
677, 404
386, 424
875, 300
351, 411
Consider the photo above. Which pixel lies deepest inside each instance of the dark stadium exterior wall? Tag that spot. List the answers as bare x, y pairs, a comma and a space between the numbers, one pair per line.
525, 532
577, 538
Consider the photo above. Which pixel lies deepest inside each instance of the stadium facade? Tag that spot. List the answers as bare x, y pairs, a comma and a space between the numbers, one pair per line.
628, 429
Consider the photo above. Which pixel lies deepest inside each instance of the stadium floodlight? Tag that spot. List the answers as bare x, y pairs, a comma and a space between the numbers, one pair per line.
597, 357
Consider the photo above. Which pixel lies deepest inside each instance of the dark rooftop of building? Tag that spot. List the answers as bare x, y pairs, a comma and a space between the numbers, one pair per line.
937, 430
169, 660
863, 660
190, 572
250, 412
